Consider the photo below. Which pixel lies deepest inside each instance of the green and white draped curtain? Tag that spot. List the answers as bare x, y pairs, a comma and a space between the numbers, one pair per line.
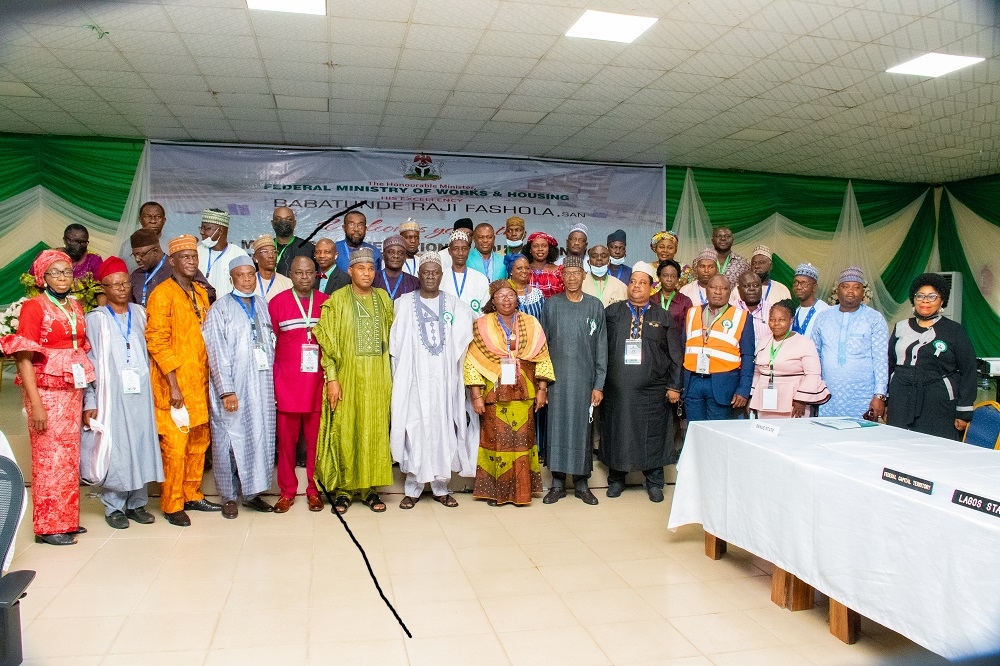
48, 182
894, 230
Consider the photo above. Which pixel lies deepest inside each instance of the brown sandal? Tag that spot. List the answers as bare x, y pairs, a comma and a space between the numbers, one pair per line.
408, 502
374, 502
341, 504
447, 500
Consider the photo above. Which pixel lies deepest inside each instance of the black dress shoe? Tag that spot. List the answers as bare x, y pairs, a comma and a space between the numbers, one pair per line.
230, 510
655, 493
257, 504
554, 495
615, 490
140, 515
117, 520
80, 529
587, 496
202, 505
55, 539
178, 518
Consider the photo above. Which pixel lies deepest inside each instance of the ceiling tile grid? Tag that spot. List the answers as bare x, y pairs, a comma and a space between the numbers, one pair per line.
757, 84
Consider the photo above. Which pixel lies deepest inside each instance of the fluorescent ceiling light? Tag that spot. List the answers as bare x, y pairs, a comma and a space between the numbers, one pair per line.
292, 6
610, 27
934, 64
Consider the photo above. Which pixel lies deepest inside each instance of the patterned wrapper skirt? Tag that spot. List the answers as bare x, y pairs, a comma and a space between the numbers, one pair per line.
507, 468
55, 462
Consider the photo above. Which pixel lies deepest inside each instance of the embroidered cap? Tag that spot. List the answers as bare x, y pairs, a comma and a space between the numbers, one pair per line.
429, 258
215, 216
409, 225
708, 254
240, 260
515, 222
582, 228
393, 240
762, 250
459, 235
807, 270
852, 274
181, 243
264, 240
362, 255
572, 261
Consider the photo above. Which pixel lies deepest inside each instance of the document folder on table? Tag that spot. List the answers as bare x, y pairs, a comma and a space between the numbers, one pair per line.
844, 423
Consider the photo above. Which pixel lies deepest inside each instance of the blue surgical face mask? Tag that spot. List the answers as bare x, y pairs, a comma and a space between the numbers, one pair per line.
515, 243
599, 271
618, 261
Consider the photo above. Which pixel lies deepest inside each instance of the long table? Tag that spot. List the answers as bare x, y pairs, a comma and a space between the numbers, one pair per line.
846, 512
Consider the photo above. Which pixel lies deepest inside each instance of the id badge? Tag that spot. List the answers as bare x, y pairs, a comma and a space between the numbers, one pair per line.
79, 376
508, 372
310, 358
130, 381
633, 352
769, 400
261, 357
702, 368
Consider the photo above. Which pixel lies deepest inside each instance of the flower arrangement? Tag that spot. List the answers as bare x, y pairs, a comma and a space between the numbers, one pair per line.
9, 318
85, 290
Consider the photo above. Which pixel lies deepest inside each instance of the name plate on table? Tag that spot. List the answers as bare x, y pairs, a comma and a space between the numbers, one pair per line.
907, 481
768, 429
977, 502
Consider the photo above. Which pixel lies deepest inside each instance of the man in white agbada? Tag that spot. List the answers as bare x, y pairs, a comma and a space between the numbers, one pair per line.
240, 345
428, 340
121, 450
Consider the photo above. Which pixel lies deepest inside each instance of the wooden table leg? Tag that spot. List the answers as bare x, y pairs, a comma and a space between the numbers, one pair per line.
789, 591
715, 547
845, 623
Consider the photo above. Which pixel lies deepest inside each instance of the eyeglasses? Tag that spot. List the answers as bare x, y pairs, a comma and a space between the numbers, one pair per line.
139, 256
67, 273
209, 228
115, 285
266, 252
930, 298
152, 216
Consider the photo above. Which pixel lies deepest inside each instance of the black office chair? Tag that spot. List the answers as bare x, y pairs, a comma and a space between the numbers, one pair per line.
14, 583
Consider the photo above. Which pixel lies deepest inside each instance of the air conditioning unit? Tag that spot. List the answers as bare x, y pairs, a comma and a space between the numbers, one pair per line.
954, 309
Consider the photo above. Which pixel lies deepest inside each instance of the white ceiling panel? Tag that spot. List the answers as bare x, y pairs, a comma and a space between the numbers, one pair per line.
146, 42
159, 63
206, 19
454, 13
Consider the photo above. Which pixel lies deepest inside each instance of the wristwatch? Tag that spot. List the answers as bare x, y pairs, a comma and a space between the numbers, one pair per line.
882, 396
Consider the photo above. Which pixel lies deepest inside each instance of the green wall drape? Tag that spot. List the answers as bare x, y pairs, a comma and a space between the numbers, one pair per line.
981, 195
913, 254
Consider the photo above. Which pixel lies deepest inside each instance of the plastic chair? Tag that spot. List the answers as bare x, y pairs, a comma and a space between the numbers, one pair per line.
14, 583
984, 430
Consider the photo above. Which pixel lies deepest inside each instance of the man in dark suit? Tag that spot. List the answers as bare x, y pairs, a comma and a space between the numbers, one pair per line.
718, 355
329, 278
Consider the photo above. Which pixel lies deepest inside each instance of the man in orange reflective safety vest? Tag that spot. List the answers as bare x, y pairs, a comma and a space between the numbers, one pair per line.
718, 355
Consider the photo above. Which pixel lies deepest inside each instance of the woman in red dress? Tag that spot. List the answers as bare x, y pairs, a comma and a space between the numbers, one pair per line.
542, 250
50, 348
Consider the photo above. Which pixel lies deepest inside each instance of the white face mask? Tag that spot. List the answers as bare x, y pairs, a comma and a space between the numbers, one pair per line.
209, 242
515, 243
599, 271
617, 261
243, 293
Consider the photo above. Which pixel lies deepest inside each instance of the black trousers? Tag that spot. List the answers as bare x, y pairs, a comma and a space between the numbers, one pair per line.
654, 477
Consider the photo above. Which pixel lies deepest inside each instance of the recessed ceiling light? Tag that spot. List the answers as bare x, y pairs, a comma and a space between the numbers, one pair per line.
292, 6
610, 27
934, 64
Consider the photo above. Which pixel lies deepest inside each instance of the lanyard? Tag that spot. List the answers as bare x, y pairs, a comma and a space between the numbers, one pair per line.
412, 271
723, 267
618, 275
701, 295
599, 287
145, 284
194, 301
508, 332
774, 351
70, 317
666, 306
707, 329
125, 334
454, 279
251, 313
211, 261
767, 293
637, 318
309, 319
795, 321
265, 292
278, 262
399, 281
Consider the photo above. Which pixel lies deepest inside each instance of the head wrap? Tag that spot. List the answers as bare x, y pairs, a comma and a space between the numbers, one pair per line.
181, 243
459, 234
110, 266
497, 285
582, 228
144, 238
807, 270
409, 225
264, 240
541, 234
852, 274
242, 259
643, 267
762, 250
393, 240
572, 261
429, 258
215, 216
616, 235
515, 222
708, 253
42, 262
463, 223
361, 256
660, 235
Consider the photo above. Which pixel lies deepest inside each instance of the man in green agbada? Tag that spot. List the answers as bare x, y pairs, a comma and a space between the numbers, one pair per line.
352, 452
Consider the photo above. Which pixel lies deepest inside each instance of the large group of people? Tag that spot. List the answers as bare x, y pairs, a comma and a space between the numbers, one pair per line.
477, 360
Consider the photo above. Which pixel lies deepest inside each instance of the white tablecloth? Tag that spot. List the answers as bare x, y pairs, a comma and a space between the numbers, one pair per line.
812, 501
7, 452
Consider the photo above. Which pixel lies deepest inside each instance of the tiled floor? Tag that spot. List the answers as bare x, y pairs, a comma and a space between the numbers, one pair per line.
561, 584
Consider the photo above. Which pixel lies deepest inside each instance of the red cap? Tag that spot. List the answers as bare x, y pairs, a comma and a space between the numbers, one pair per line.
110, 266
